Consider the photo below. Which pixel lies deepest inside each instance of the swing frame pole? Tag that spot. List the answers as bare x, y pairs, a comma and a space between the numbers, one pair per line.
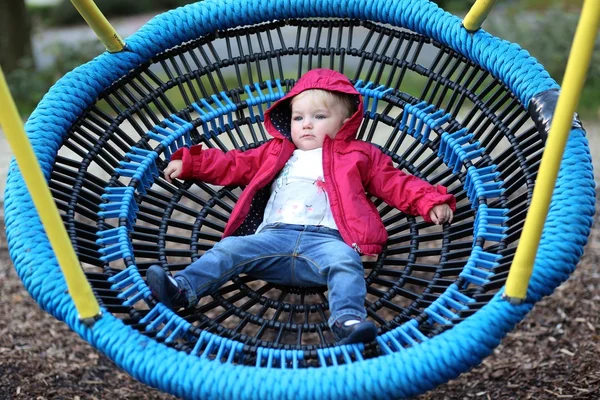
575, 74
79, 288
100, 25
477, 14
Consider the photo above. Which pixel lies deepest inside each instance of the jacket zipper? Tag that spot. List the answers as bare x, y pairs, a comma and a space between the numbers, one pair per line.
329, 153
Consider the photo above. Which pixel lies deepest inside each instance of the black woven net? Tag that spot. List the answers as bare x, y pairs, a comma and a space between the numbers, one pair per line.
176, 223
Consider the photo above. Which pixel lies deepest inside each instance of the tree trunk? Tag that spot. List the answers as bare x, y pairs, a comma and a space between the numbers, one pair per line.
15, 38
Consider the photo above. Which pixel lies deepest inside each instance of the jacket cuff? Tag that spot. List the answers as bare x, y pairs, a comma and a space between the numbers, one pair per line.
431, 199
187, 156
178, 155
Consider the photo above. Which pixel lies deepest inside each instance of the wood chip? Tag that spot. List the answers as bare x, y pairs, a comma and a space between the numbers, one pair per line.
551, 392
563, 315
589, 324
581, 390
567, 352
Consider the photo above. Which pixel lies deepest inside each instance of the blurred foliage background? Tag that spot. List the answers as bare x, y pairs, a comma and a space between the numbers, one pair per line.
543, 27
63, 13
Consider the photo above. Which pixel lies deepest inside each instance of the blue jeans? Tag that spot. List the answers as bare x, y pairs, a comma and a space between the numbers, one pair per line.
293, 255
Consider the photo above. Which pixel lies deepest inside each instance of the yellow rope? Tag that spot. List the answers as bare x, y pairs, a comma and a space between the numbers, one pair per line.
79, 288
477, 14
575, 74
103, 29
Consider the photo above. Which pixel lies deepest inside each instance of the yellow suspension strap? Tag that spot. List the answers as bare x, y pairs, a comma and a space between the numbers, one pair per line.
575, 74
98, 22
477, 14
79, 288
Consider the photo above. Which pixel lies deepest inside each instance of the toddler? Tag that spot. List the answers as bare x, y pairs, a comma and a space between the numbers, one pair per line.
318, 219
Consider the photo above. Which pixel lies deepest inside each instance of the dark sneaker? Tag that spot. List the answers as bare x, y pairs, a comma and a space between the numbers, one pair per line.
350, 329
165, 288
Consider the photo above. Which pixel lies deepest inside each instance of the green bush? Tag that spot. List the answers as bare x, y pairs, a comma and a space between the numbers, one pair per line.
455, 6
64, 13
545, 4
548, 37
28, 85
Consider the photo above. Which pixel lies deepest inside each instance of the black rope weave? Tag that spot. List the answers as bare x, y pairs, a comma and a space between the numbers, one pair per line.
176, 223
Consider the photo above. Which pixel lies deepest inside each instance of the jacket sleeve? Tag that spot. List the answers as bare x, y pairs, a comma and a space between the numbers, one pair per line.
216, 167
407, 193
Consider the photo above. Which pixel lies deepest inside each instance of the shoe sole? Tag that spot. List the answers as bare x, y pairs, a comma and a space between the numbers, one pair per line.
364, 334
157, 281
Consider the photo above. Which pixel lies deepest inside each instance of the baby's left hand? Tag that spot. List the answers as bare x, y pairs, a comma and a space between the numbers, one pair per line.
441, 213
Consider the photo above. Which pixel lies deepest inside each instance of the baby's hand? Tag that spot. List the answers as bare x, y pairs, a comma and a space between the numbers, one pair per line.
441, 213
173, 170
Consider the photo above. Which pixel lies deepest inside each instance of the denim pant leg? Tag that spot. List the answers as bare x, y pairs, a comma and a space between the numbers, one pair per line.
266, 255
327, 255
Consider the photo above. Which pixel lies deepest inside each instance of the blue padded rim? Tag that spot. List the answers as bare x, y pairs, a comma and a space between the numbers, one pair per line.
400, 374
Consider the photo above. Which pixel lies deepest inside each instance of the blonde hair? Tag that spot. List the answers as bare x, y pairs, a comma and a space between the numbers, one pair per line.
327, 98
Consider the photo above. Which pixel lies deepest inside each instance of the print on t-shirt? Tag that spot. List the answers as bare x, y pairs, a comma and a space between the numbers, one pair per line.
298, 193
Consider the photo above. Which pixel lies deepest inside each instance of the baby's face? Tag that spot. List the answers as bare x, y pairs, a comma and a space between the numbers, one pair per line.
312, 120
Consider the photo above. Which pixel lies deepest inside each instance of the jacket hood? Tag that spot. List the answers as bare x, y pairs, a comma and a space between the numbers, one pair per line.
278, 116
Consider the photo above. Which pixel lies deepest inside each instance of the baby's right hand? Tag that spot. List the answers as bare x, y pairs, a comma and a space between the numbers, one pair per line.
173, 170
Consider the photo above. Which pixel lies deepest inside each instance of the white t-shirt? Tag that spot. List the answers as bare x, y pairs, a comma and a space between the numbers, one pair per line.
298, 194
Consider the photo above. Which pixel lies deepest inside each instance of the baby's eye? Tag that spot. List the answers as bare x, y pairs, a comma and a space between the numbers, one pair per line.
320, 116
297, 118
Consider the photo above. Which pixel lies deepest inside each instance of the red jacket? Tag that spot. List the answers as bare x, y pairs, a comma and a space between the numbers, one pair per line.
350, 167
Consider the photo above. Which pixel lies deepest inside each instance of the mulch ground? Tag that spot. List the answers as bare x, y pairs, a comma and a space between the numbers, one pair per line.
553, 354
